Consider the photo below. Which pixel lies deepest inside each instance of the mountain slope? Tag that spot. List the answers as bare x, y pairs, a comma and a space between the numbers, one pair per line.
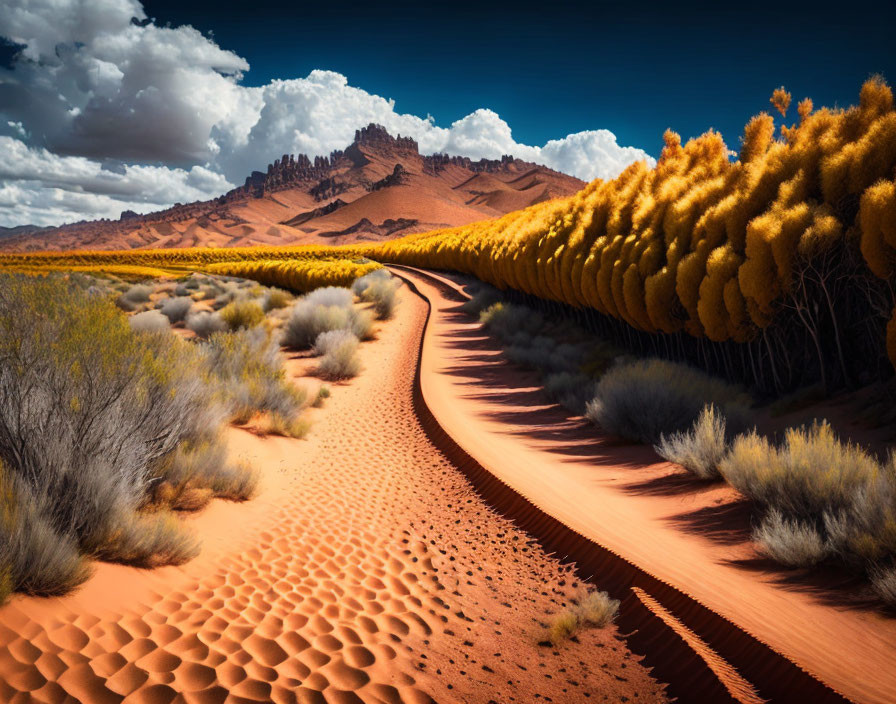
377, 188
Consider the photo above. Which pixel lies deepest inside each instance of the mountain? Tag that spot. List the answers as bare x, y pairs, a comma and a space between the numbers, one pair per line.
379, 187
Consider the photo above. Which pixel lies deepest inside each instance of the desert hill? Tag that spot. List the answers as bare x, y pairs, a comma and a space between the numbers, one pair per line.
379, 187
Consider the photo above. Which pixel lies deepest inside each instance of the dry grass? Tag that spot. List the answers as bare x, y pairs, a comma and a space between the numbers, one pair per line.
149, 540
700, 449
646, 399
790, 542
592, 609
811, 474
340, 358
149, 321
242, 314
276, 424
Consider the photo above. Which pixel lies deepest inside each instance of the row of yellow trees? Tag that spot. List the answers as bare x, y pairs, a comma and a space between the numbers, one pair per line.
724, 250
297, 274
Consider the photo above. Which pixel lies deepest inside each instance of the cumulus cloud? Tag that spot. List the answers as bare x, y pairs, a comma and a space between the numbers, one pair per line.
42, 188
103, 111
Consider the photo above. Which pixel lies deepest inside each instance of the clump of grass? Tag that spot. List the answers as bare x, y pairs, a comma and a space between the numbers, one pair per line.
810, 474
149, 540
323, 393
483, 296
330, 297
883, 583
506, 319
150, 321
645, 399
591, 609
205, 323
275, 424
701, 449
135, 295
35, 558
572, 390
359, 286
275, 298
790, 542
249, 371
176, 309
381, 292
563, 627
201, 466
323, 310
339, 350
242, 314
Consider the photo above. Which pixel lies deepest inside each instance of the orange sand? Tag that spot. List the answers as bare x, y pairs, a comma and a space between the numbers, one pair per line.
367, 570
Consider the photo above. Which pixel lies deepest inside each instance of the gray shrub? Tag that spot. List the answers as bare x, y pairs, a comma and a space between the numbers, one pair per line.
649, 398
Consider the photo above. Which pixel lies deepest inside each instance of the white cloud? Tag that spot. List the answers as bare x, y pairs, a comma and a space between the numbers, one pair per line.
39, 187
107, 113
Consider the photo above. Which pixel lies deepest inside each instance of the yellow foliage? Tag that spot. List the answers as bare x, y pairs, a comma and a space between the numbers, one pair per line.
781, 100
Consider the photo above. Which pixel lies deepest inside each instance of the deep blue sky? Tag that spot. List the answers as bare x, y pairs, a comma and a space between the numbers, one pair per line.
562, 67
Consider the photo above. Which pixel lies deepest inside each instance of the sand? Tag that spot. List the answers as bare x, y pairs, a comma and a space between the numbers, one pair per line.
678, 532
367, 570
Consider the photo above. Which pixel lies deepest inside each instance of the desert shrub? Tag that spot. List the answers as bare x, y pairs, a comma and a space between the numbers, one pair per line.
590, 608
339, 350
564, 626
275, 298
330, 296
361, 323
276, 424
176, 309
36, 558
571, 390
87, 408
811, 474
149, 540
151, 321
203, 464
205, 323
790, 542
323, 393
138, 293
862, 532
597, 609
328, 341
483, 296
645, 399
249, 371
181, 290
700, 449
505, 319
883, 582
242, 314
309, 318
362, 282
381, 292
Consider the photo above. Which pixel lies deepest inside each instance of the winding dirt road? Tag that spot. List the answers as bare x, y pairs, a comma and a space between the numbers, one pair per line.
686, 545
367, 570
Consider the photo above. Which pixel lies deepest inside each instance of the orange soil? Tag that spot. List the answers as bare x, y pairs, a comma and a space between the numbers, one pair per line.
692, 535
367, 570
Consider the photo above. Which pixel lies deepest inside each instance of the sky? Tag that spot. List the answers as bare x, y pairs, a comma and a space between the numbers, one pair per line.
107, 105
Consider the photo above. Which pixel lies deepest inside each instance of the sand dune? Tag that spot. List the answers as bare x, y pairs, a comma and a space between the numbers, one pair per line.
678, 531
367, 570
